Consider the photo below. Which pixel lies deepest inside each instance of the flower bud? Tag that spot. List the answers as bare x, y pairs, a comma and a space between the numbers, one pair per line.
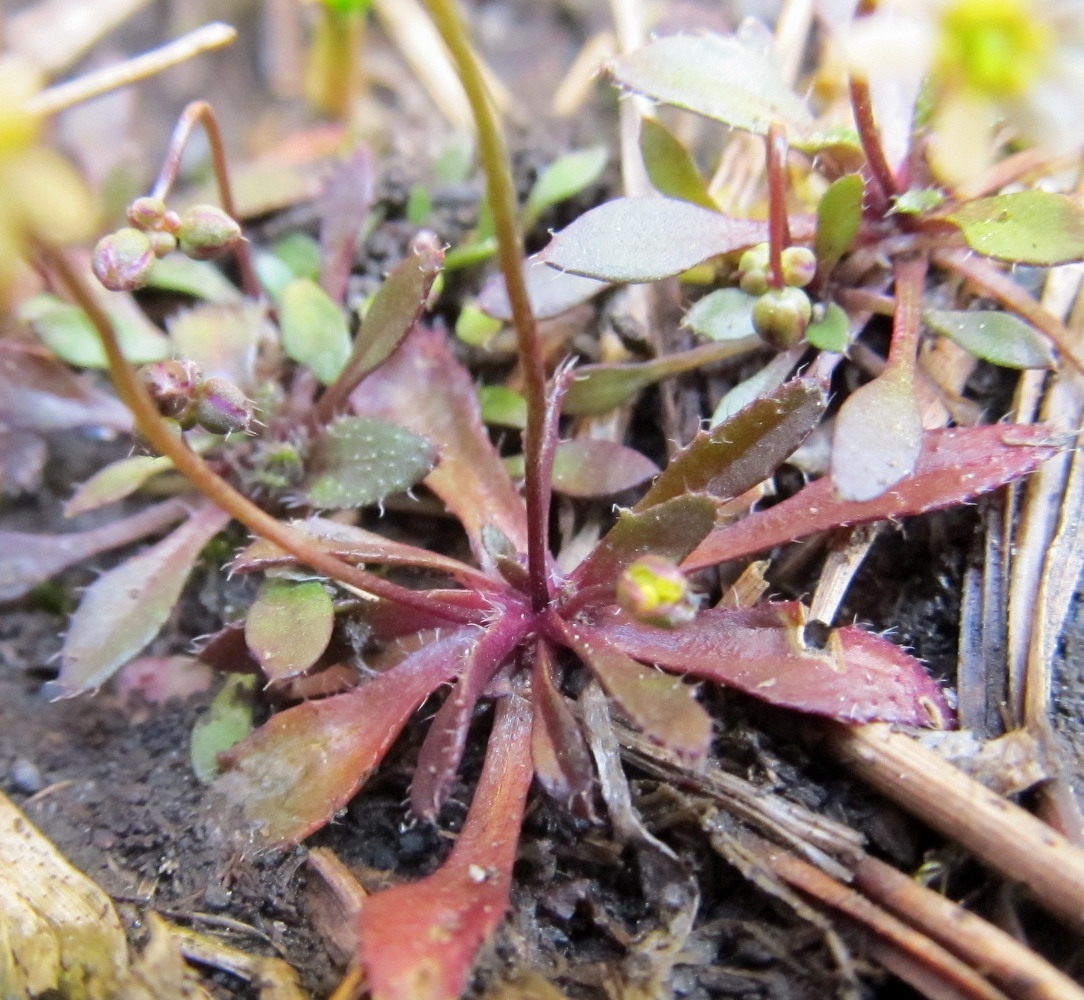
753, 270
781, 315
799, 266
162, 243
122, 261
173, 386
222, 408
206, 231
147, 213
655, 591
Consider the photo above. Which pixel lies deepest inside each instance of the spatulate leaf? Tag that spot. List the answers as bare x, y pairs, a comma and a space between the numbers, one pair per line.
114, 482
670, 167
725, 314
551, 292
1025, 227
998, 337
289, 626
591, 468
314, 330
565, 178
839, 217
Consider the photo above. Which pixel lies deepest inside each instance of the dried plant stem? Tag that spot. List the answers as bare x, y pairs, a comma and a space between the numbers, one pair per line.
201, 113
502, 201
981, 273
1001, 834
778, 222
1014, 967
214, 487
102, 81
883, 177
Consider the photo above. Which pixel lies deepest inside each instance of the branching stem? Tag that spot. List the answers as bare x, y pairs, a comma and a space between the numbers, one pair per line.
201, 113
214, 487
502, 202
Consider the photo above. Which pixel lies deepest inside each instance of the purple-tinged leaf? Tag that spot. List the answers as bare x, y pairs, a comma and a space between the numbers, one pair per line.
38, 393
551, 292
223, 339
390, 620
423, 388
877, 437
600, 388
645, 239
359, 461
114, 482
442, 749
744, 449
658, 704
589, 468
344, 206
124, 608
157, 680
27, 559
955, 465
303, 765
562, 759
289, 626
717, 76
1025, 227
419, 940
670, 166
998, 337
314, 329
857, 677
671, 529
358, 546
227, 651
23, 455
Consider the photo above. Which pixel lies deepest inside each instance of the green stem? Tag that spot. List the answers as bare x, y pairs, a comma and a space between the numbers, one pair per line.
155, 430
201, 113
502, 201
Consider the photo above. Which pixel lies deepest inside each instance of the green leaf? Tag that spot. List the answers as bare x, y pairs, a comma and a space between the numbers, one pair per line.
114, 482
997, 337
877, 438
67, 331
475, 327
716, 76
645, 239
832, 332
565, 178
503, 406
1028, 227
314, 330
746, 448
361, 460
227, 721
670, 167
301, 254
419, 205
600, 388
289, 626
124, 608
199, 278
744, 393
551, 292
725, 314
839, 216
918, 201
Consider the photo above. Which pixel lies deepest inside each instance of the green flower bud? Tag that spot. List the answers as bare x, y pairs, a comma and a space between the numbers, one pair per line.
162, 242
122, 261
147, 213
206, 231
781, 316
799, 266
173, 385
222, 408
754, 282
756, 258
654, 590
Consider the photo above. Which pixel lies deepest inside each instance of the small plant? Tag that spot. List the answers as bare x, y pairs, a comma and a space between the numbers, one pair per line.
291, 408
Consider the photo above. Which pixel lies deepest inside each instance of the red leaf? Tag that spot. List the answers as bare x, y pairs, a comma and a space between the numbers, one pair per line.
955, 465
585, 467
344, 206
423, 388
442, 750
418, 941
857, 677
303, 765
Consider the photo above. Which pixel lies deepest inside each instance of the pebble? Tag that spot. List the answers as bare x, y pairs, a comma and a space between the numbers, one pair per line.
25, 776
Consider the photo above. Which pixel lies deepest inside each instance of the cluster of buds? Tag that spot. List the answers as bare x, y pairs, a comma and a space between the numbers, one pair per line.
780, 315
123, 260
181, 393
655, 591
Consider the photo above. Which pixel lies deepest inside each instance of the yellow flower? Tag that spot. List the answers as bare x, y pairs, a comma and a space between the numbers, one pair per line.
1014, 64
41, 195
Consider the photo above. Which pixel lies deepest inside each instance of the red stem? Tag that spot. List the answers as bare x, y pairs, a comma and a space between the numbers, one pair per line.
778, 222
883, 177
215, 488
910, 273
201, 113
